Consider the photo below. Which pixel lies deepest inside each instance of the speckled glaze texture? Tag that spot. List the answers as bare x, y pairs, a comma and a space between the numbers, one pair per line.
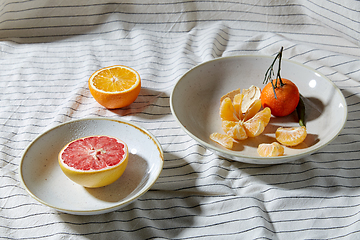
43, 179
195, 103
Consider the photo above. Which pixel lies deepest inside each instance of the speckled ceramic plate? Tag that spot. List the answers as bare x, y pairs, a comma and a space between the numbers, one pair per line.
195, 103
43, 179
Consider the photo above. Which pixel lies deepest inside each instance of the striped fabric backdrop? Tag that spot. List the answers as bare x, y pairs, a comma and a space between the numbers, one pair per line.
48, 50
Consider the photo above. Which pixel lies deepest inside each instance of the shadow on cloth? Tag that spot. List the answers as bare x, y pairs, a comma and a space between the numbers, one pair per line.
150, 104
156, 213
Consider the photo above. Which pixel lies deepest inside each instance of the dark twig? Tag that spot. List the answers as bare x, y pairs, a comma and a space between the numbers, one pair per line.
270, 73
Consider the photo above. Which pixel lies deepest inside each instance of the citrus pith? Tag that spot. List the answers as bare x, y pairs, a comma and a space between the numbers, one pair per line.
115, 87
94, 161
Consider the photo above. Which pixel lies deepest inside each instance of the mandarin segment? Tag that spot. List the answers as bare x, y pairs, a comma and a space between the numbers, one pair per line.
253, 109
234, 129
237, 101
291, 136
227, 110
264, 115
222, 139
270, 149
245, 103
256, 125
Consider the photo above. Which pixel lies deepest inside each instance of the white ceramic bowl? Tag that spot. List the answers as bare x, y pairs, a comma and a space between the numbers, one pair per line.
195, 103
43, 179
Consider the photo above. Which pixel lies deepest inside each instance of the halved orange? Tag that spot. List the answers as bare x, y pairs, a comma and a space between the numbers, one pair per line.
115, 87
270, 149
291, 136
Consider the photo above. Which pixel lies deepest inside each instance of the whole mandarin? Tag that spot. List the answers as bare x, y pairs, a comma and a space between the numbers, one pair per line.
287, 97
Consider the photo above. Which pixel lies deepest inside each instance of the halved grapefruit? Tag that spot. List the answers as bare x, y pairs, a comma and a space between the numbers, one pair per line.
94, 161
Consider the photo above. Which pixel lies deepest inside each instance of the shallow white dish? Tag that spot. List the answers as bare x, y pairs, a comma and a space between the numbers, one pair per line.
195, 102
43, 179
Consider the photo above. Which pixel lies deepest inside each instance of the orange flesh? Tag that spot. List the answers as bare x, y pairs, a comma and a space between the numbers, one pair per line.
114, 80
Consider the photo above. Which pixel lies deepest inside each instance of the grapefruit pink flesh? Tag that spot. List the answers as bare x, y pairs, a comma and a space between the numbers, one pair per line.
94, 161
93, 153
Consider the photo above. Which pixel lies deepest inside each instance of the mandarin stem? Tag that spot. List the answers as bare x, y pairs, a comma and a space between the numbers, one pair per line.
270, 72
279, 69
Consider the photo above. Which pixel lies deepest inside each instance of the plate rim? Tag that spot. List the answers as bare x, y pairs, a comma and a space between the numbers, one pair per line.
257, 159
101, 210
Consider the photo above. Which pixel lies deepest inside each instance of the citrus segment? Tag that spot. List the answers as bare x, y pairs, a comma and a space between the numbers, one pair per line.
234, 129
291, 136
270, 149
115, 87
256, 125
264, 115
250, 96
253, 109
237, 103
227, 110
222, 139
94, 161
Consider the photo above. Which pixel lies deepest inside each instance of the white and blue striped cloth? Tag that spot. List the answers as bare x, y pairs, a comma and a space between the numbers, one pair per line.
48, 50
